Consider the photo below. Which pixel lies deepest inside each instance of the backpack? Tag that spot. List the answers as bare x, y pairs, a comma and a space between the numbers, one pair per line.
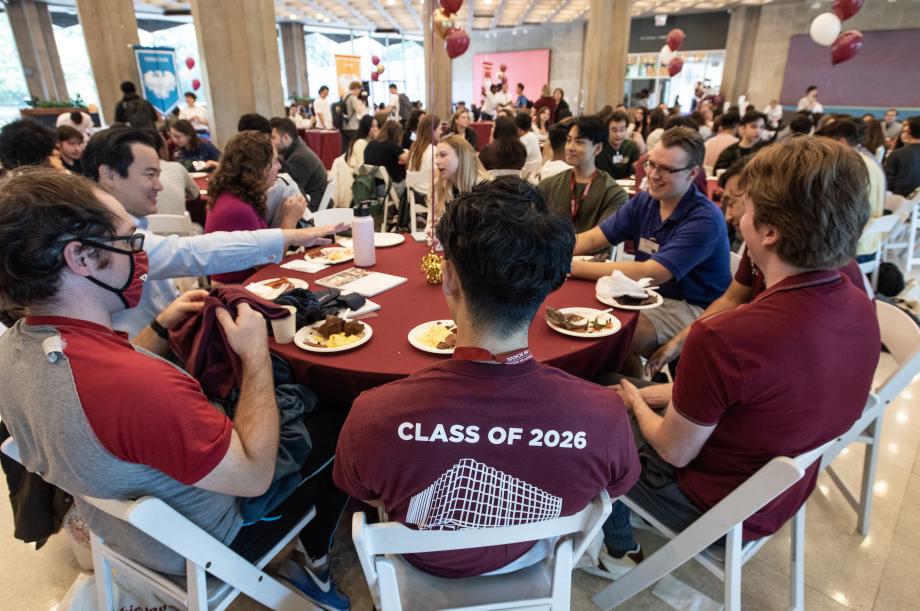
339, 110
365, 188
138, 114
405, 107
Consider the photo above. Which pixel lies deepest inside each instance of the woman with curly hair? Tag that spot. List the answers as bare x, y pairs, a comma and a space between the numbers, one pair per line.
237, 190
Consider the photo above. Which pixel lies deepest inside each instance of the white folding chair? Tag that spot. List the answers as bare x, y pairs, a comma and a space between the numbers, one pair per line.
204, 555
331, 216
882, 227
391, 197
910, 214
724, 519
901, 335
327, 195
170, 224
497, 173
396, 585
531, 169
415, 180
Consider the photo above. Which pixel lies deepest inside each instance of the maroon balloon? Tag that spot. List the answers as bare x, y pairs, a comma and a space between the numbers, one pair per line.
196, 84
675, 39
457, 42
375, 60
189, 63
675, 66
375, 76
451, 6
846, 46
503, 67
844, 9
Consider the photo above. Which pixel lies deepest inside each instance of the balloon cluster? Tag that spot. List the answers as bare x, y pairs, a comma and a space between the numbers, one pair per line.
501, 77
673, 42
825, 30
190, 63
456, 40
378, 69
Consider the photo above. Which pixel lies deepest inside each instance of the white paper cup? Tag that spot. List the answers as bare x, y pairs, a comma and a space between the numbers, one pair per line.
285, 328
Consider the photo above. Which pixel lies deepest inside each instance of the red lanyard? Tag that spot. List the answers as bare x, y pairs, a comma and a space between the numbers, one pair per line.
575, 201
515, 357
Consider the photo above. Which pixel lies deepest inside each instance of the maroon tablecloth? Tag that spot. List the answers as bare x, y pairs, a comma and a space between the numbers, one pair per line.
340, 377
483, 132
327, 144
198, 208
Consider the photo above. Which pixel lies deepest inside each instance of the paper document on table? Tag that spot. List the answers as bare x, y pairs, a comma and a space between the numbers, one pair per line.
304, 265
365, 283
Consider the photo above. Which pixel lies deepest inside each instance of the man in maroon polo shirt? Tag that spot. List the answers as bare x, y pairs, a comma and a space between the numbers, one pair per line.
743, 398
490, 437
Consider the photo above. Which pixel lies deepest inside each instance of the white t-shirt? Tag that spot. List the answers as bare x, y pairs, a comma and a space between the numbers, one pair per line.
178, 187
85, 126
532, 144
553, 167
504, 98
197, 115
323, 111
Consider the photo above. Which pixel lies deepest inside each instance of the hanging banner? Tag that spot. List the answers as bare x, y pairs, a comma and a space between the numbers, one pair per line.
159, 77
347, 69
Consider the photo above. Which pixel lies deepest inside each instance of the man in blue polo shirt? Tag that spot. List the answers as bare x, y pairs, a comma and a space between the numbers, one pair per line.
680, 239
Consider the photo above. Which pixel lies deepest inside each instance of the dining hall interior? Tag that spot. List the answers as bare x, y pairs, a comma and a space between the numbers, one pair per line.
459, 304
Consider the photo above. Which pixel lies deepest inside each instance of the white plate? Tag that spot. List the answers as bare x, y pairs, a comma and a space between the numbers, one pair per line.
417, 332
616, 304
590, 314
325, 260
385, 240
271, 294
300, 339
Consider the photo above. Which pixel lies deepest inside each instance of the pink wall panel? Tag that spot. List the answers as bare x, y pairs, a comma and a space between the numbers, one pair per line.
528, 67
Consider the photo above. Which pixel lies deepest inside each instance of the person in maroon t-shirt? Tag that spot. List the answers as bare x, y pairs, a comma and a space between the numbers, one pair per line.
491, 437
741, 397
748, 282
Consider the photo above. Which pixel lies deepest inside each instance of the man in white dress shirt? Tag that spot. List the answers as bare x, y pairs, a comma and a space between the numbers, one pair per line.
323, 110
124, 162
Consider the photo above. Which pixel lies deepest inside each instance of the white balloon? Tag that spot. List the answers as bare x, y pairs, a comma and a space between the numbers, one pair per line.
666, 55
825, 29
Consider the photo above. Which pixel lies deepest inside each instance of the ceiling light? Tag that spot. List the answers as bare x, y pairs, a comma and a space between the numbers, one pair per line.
292, 16
319, 16
325, 20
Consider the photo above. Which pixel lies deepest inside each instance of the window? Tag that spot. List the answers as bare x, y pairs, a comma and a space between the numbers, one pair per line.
13, 89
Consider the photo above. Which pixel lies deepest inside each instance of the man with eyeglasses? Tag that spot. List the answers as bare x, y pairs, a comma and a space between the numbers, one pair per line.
124, 163
680, 239
101, 417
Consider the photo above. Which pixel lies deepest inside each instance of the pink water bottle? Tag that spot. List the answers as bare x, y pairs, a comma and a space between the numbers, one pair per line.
362, 235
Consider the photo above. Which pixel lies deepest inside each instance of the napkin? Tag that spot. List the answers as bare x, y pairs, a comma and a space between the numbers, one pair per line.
618, 284
303, 265
265, 292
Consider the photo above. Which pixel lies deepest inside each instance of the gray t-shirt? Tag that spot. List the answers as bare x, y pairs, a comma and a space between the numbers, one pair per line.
352, 120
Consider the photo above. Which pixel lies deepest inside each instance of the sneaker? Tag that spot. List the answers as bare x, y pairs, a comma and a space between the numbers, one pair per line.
612, 568
317, 585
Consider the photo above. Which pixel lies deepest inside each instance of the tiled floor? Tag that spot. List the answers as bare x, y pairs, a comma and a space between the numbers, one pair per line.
843, 569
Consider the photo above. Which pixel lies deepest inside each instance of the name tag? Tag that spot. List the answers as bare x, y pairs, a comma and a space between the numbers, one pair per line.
618, 158
649, 246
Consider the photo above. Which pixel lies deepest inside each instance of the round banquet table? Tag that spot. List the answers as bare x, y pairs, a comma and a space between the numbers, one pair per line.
483, 133
326, 143
338, 378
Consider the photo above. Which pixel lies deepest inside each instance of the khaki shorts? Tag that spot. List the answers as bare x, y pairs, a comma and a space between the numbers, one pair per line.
670, 317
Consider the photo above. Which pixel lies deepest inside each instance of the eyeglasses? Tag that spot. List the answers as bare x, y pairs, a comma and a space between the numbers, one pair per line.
663, 170
135, 242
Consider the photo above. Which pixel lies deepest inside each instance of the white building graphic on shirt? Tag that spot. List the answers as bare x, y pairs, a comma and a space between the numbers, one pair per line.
474, 495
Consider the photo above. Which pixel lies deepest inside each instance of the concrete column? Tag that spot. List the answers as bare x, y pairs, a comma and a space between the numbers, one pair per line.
438, 68
295, 59
240, 66
31, 25
110, 30
606, 46
739, 51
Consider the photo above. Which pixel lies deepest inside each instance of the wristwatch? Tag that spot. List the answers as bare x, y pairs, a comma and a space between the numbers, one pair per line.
159, 329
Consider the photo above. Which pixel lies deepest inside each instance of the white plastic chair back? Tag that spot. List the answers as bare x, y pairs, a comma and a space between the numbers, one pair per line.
343, 179
327, 195
416, 198
901, 335
724, 519
204, 556
170, 224
882, 227
396, 585
331, 216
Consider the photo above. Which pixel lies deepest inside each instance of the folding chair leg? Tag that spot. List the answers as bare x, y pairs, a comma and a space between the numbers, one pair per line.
870, 463
197, 587
104, 595
797, 568
733, 569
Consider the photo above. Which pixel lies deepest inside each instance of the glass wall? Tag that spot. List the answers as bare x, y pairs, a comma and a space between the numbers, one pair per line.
78, 73
13, 89
699, 67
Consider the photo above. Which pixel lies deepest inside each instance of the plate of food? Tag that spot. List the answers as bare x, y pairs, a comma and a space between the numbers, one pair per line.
274, 287
332, 255
435, 336
582, 322
651, 300
334, 334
